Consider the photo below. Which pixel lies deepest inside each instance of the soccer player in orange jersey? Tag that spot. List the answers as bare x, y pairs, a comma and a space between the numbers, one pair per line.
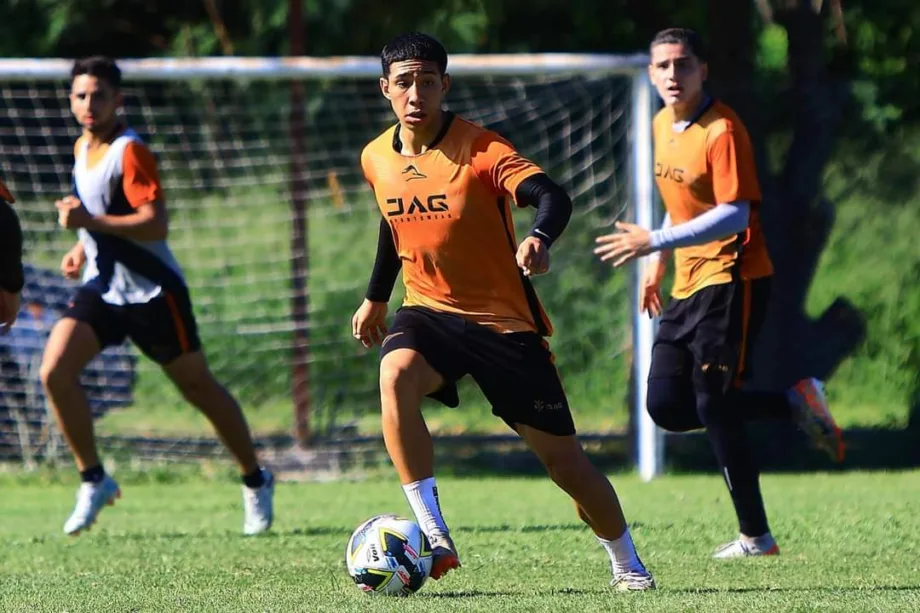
444, 188
705, 172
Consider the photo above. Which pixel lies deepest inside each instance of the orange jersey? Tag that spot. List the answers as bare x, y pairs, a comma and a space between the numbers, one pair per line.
449, 210
709, 163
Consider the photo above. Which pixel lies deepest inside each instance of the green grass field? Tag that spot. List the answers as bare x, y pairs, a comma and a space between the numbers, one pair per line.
172, 543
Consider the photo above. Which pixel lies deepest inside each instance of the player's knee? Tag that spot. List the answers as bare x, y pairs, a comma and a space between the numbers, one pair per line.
665, 405
54, 374
402, 375
199, 390
567, 467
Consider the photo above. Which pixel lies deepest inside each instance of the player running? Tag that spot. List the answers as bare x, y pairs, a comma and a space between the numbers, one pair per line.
705, 172
132, 288
444, 188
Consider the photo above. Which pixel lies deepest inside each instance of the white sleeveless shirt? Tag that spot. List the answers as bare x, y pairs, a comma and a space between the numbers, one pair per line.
122, 270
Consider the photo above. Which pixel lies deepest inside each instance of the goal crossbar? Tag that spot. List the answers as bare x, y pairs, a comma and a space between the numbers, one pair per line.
27, 69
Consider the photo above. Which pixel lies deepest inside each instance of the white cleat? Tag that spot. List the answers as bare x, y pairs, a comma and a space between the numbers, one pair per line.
633, 581
91, 498
745, 549
258, 506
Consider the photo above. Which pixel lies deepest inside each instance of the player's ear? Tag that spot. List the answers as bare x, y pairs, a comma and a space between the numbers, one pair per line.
445, 83
385, 87
704, 70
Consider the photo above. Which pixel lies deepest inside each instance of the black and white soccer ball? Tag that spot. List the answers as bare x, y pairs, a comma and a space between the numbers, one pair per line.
388, 555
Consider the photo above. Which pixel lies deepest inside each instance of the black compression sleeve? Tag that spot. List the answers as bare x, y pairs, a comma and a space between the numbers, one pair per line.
554, 207
11, 276
386, 266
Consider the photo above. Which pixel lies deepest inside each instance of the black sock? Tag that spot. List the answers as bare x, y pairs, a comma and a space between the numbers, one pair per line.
92, 475
726, 436
254, 480
757, 405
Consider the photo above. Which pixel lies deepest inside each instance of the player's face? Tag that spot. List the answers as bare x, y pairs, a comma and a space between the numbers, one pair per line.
94, 103
415, 90
678, 75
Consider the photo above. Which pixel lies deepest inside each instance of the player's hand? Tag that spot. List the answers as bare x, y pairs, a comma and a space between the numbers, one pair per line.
629, 243
650, 290
9, 310
369, 324
533, 256
73, 262
71, 213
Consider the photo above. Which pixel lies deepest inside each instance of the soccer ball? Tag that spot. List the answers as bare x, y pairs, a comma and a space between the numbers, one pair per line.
388, 555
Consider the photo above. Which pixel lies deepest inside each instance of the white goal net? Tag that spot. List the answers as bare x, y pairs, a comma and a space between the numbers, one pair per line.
274, 288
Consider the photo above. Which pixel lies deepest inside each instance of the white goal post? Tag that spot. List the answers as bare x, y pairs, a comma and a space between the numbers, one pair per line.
222, 129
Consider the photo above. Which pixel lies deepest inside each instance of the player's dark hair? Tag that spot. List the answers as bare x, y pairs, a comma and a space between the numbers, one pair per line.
99, 66
413, 46
681, 36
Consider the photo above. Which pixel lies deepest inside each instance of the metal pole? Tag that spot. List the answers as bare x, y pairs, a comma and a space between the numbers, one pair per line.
300, 389
650, 439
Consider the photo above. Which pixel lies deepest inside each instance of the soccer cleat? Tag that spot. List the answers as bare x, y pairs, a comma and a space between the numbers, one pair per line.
633, 581
258, 506
744, 549
814, 417
91, 498
443, 555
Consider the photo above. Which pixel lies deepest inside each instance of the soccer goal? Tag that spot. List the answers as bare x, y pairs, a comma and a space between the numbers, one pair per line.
276, 231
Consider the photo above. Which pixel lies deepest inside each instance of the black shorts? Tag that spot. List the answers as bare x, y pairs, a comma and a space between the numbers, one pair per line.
710, 335
163, 328
516, 371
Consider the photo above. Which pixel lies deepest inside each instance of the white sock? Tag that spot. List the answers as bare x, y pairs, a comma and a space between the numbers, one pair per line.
423, 498
622, 552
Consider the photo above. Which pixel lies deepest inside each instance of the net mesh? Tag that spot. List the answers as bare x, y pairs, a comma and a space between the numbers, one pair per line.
224, 148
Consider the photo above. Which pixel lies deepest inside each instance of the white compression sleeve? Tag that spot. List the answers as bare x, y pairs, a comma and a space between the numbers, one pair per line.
721, 221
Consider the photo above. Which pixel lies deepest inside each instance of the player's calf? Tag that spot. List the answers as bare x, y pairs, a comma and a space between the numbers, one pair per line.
69, 349
596, 502
192, 376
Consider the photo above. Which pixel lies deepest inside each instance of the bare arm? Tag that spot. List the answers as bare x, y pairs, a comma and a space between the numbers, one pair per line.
148, 223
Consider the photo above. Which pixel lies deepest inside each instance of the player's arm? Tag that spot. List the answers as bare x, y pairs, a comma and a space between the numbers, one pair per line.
386, 266
664, 253
141, 185
554, 207
719, 222
734, 181
368, 324
505, 171
734, 184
